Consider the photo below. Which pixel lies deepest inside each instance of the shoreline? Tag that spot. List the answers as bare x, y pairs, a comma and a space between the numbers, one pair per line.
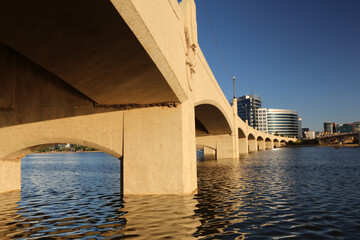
352, 145
59, 152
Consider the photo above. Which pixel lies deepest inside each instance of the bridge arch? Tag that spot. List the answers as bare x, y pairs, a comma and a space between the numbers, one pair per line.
211, 119
33, 145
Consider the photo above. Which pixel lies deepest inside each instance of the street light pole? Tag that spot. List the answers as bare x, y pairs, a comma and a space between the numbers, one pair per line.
234, 85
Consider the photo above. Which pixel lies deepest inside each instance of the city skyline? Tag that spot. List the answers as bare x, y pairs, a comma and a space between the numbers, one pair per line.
299, 55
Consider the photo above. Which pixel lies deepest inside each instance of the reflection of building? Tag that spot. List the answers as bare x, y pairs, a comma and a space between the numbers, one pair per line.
247, 106
278, 121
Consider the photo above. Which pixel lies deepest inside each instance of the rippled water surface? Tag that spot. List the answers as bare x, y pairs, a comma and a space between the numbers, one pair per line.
299, 193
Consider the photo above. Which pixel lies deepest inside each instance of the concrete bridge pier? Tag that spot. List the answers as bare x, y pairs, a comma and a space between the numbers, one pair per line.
269, 144
160, 152
243, 145
226, 147
261, 144
235, 133
252, 147
10, 174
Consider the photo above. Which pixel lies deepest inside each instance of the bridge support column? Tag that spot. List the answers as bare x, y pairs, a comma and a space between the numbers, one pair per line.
269, 145
209, 153
252, 146
243, 146
225, 147
160, 152
10, 174
235, 131
261, 145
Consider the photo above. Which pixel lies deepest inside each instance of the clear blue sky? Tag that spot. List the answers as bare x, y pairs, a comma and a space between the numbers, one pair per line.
302, 55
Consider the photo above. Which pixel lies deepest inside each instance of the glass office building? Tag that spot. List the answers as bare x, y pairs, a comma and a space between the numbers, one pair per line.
247, 107
261, 119
283, 122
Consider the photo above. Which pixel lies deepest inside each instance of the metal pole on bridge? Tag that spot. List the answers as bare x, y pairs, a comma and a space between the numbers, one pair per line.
234, 86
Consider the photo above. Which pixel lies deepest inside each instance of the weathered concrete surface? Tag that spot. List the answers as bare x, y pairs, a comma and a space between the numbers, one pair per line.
252, 143
269, 143
160, 150
88, 44
30, 93
10, 174
243, 145
276, 143
260, 144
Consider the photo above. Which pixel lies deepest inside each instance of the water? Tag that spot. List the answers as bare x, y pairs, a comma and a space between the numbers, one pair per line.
299, 193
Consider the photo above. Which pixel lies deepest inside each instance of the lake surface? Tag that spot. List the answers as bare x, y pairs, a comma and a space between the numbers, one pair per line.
297, 193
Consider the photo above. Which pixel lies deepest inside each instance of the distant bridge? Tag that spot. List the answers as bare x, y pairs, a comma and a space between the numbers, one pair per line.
127, 77
339, 138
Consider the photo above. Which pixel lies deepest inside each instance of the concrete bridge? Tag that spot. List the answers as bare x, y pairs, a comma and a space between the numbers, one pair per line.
339, 138
124, 76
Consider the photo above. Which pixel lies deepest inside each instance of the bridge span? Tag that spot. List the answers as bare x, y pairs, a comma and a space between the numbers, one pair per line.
127, 77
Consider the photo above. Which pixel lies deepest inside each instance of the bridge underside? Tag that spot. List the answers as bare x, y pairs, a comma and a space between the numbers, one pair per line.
73, 72
210, 121
87, 44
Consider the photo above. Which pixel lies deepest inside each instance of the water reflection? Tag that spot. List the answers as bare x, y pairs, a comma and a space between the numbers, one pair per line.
289, 193
310, 193
9, 226
160, 217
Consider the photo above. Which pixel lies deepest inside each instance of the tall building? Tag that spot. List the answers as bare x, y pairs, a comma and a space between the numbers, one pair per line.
329, 127
247, 106
278, 121
303, 130
300, 128
345, 128
356, 126
283, 122
261, 120
310, 135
